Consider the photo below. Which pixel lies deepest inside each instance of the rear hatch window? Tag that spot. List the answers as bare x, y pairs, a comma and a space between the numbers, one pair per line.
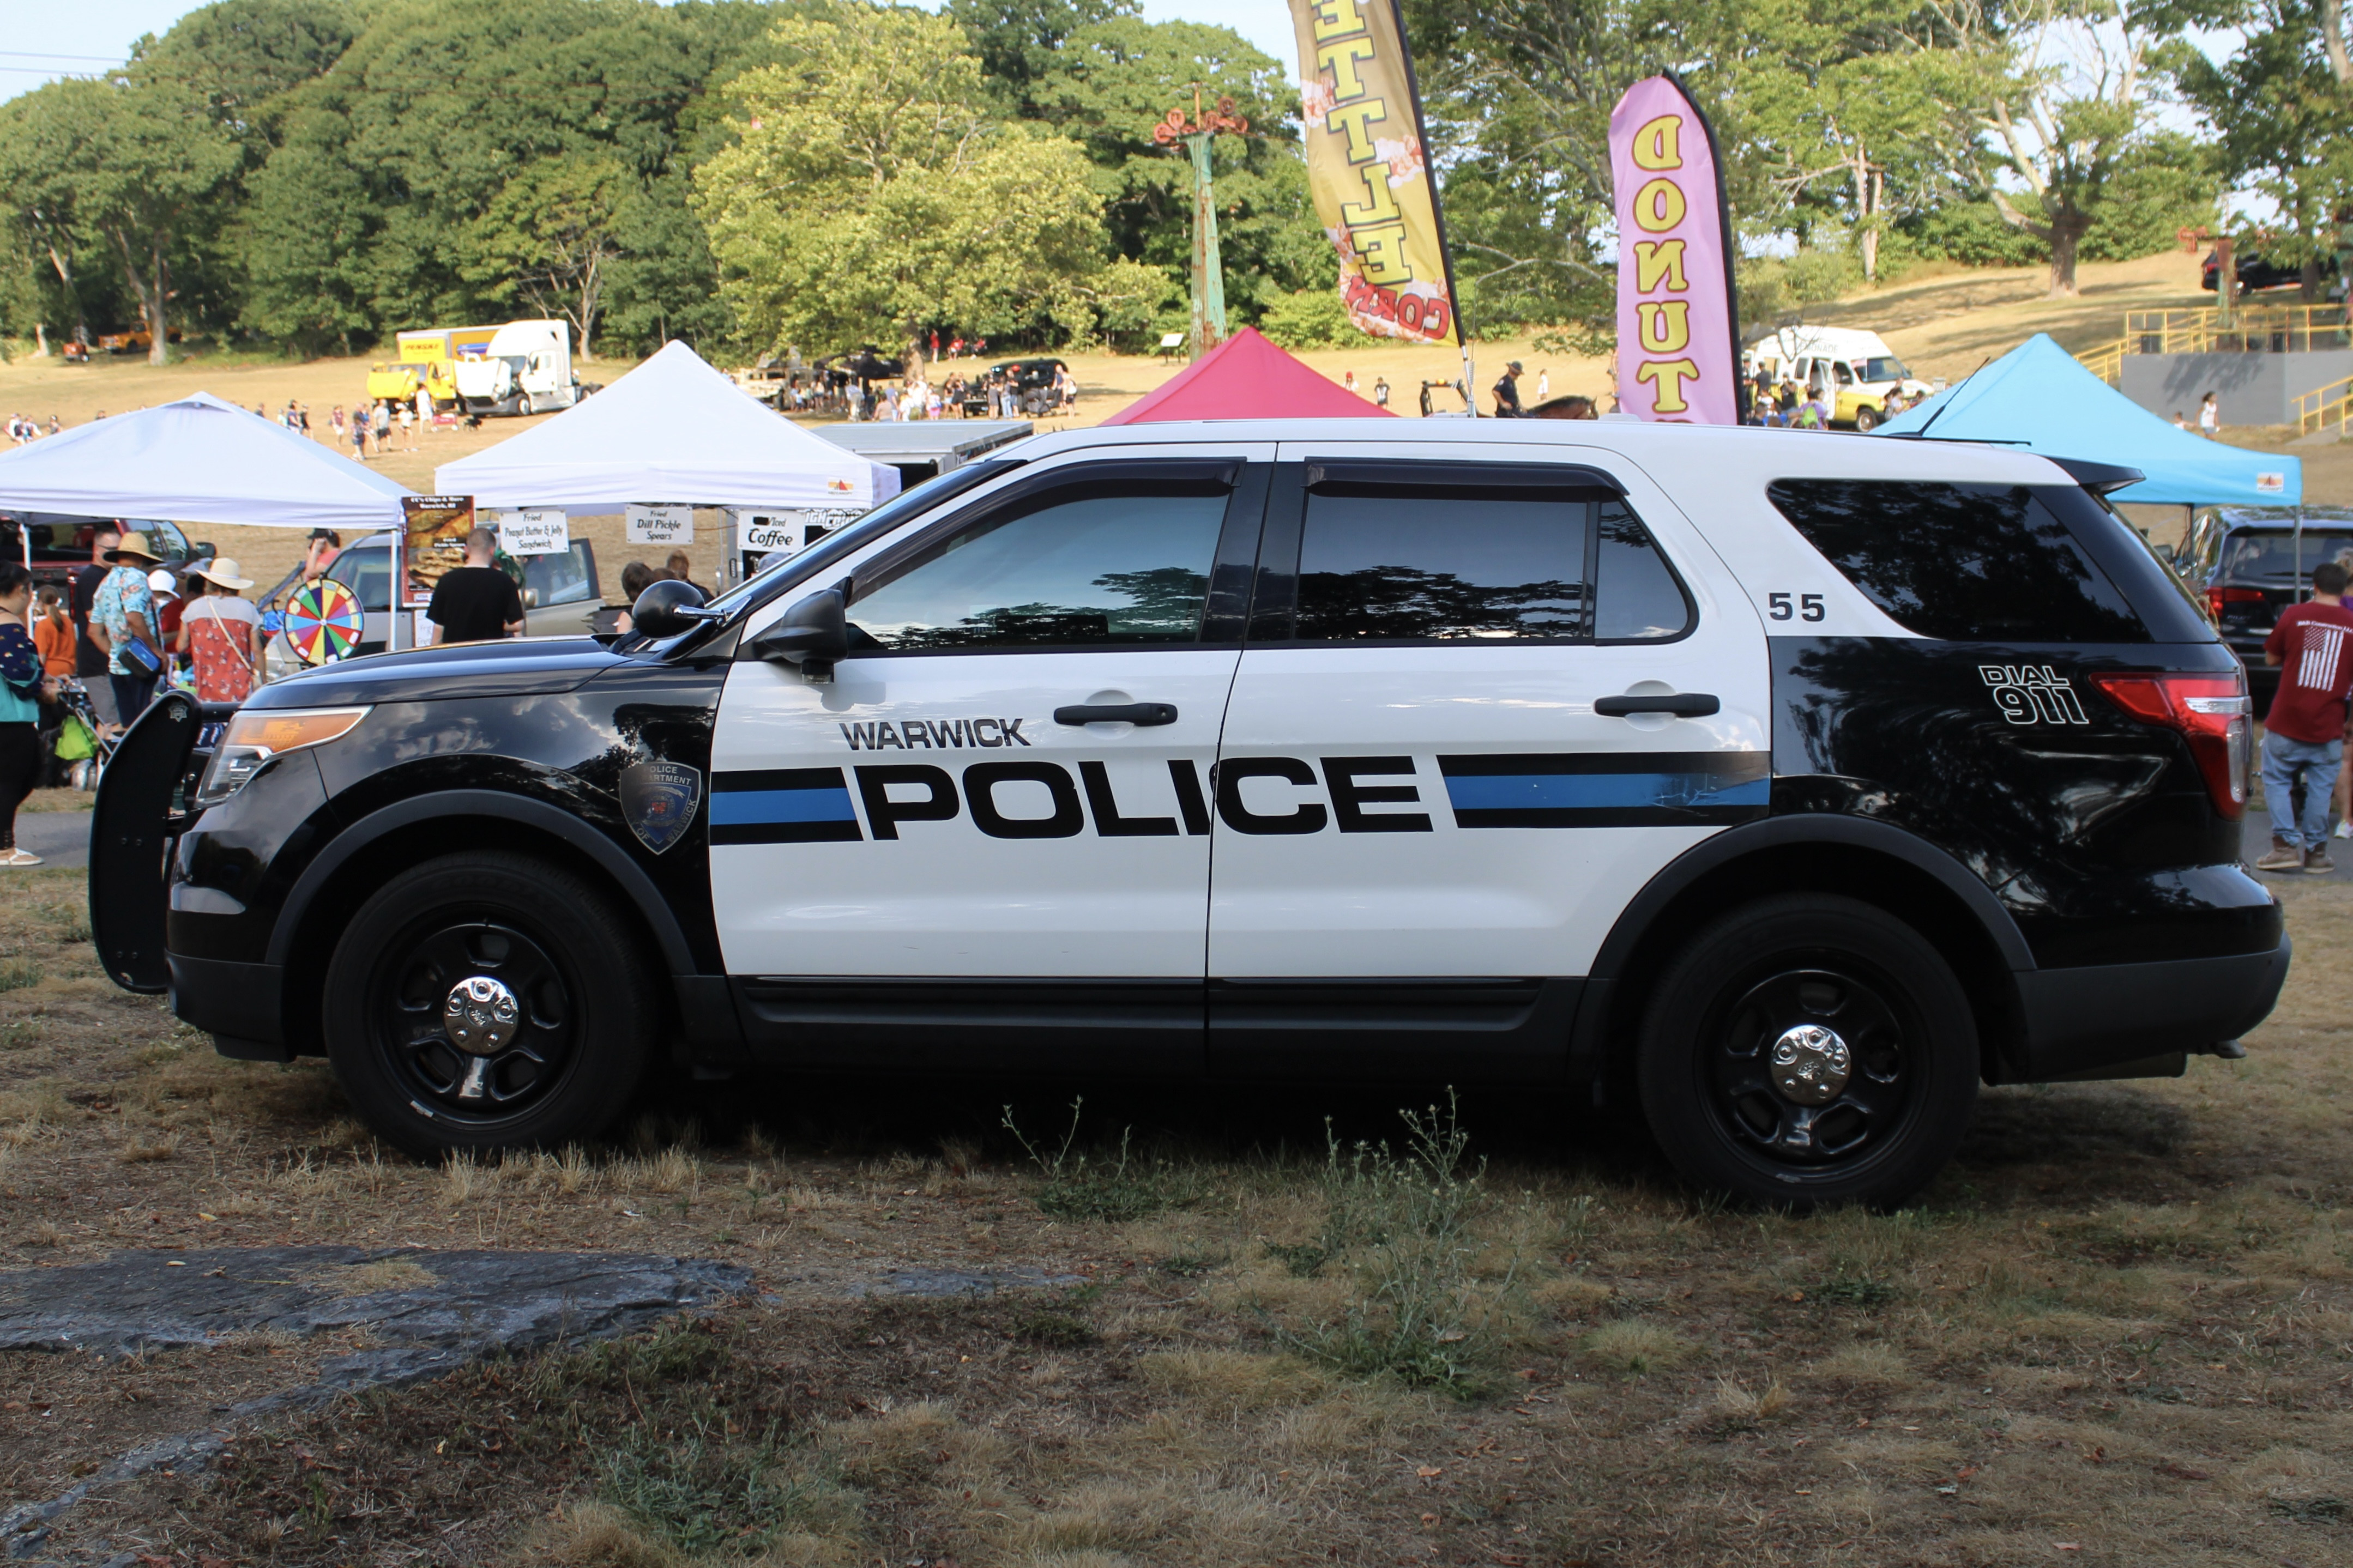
2014, 564
2254, 554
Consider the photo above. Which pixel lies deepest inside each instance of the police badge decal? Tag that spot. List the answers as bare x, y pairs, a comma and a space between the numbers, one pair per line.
658, 799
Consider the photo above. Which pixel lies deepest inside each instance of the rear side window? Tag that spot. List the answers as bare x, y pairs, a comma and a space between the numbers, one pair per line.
1390, 559
1410, 568
1961, 563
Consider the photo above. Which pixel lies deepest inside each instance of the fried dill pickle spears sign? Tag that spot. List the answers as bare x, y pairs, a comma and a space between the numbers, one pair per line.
1677, 360
1368, 170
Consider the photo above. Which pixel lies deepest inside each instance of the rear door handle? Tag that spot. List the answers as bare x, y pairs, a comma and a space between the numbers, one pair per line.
1681, 704
1142, 714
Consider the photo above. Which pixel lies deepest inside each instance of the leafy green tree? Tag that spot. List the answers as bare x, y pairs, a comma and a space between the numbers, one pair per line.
870, 191
2280, 108
1020, 42
550, 237
134, 169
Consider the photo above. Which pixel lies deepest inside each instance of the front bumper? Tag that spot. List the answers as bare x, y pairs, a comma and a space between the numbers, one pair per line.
2100, 1015
238, 1003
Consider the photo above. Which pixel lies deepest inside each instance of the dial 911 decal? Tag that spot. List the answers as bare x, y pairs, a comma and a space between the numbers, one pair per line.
2033, 694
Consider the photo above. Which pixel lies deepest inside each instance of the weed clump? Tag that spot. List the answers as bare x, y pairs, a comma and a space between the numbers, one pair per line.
1076, 1185
19, 973
1420, 1310
701, 1495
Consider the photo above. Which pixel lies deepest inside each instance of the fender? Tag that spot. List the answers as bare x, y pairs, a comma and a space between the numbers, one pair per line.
518, 808
1586, 1037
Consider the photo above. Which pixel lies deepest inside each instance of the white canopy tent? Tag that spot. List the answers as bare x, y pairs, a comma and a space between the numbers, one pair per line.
197, 460
672, 430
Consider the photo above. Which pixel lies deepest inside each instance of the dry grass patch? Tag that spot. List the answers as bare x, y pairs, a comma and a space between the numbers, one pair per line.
368, 1279
1632, 1345
1232, 1378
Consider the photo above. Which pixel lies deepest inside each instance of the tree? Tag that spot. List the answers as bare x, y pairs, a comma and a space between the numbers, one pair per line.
2280, 108
551, 237
135, 169
2064, 107
871, 191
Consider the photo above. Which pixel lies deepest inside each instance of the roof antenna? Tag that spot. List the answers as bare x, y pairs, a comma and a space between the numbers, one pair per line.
1922, 433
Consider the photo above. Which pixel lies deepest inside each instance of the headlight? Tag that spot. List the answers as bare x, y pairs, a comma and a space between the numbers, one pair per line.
257, 734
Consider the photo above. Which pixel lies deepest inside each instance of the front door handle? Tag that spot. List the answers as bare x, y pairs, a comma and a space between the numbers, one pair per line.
1143, 714
1681, 704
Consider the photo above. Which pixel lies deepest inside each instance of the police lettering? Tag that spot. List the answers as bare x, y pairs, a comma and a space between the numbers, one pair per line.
892, 794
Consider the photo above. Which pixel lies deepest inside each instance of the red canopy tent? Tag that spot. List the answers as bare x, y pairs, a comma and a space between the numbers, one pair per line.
1247, 378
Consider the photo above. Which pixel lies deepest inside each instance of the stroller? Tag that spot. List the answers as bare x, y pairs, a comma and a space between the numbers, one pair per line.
79, 743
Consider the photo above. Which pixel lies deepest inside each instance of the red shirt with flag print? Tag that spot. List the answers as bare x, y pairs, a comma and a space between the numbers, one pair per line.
2314, 645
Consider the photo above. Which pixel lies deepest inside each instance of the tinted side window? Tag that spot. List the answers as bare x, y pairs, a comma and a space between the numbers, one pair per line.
1409, 567
1961, 563
1637, 597
1091, 569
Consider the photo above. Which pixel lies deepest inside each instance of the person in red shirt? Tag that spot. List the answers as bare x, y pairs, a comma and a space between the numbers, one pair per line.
2304, 734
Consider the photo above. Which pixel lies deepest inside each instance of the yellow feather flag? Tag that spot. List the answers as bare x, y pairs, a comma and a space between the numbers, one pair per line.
1367, 168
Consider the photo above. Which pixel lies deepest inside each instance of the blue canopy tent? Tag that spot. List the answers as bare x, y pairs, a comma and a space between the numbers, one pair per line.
2038, 397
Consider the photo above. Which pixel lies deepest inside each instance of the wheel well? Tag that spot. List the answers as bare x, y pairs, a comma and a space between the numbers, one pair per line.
1904, 891
411, 844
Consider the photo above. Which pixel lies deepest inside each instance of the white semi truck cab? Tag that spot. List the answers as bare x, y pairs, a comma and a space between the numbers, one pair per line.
525, 369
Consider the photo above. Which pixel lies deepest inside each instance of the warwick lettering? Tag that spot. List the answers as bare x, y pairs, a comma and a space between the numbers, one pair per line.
1663, 329
934, 735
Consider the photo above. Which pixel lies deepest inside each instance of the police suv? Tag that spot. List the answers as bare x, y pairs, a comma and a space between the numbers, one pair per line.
1791, 786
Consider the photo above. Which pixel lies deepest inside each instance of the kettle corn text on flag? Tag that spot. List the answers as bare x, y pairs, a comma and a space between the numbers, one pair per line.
1367, 166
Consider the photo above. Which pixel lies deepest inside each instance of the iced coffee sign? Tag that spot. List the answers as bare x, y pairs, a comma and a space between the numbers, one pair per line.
1677, 354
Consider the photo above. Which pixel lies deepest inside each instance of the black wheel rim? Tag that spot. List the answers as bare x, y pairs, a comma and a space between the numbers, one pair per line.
489, 1086
1826, 1108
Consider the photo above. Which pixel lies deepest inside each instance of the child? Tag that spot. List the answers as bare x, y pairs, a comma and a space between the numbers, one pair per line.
53, 633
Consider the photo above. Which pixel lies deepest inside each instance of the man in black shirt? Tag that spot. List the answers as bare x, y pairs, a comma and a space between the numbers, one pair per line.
89, 659
476, 602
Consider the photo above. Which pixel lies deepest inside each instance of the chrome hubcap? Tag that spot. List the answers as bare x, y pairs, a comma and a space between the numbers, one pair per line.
480, 1017
1810, 1065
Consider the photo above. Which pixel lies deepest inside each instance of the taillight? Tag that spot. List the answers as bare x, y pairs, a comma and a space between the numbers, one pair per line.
2210, 710
2218, 597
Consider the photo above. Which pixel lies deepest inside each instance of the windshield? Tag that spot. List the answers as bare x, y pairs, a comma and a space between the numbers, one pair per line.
1884, 367
2267, 553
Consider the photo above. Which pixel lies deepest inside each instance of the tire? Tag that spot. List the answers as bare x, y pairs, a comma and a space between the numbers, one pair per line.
1866, 419
1873, 1131
522, 406
560, 1064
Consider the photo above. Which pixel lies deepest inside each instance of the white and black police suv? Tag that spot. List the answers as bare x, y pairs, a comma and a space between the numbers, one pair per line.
1793, 784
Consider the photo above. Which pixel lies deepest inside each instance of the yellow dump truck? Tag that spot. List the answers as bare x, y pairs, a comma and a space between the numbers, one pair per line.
428, 357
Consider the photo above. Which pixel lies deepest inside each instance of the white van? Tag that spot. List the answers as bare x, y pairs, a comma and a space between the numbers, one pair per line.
1854, 371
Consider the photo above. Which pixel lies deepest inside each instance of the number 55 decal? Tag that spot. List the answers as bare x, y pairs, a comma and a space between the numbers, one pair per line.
1809, 606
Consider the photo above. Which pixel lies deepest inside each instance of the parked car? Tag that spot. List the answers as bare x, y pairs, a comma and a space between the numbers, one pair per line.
60, 544
561, 596
2247, 564
2256, 271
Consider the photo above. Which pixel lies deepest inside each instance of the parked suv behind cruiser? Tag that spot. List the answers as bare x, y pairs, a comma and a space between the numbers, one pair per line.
1787, 788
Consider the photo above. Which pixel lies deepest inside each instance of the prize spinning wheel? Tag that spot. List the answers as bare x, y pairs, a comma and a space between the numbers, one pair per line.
323, 621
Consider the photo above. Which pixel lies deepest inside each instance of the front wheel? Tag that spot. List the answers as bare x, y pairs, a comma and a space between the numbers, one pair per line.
522, 406
1808, 1051
488, 1001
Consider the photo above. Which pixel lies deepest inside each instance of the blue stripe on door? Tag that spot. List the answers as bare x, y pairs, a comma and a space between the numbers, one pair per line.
1591, 789
782, 805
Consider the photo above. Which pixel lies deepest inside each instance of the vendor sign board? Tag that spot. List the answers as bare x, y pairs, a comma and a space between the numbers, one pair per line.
762, 532
661, 524
437, 529
525, 533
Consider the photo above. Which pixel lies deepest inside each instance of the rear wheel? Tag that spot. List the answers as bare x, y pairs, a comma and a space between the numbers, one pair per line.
1866, 419
488, 1001
1809, 1051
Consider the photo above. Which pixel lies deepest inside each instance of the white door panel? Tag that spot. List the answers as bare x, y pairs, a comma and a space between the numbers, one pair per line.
1526, 821
922, 813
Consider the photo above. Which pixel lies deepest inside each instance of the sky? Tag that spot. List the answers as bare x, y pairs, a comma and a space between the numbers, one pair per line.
42, 39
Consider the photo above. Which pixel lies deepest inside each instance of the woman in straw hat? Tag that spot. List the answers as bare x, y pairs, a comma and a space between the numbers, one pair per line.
220, 633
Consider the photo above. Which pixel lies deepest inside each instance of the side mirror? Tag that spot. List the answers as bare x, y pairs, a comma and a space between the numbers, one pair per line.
668, 607
814, 635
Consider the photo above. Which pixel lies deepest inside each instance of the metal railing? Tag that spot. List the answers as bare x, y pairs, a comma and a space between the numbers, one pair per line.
2253, 329
2106, 361
2325, 406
